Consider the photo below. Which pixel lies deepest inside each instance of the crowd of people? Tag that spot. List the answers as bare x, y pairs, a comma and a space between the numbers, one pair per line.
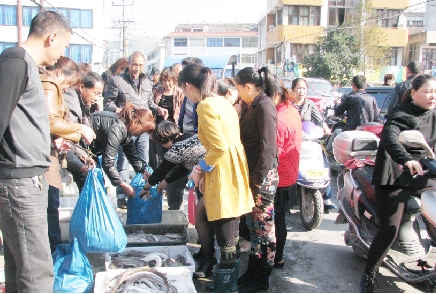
237, 138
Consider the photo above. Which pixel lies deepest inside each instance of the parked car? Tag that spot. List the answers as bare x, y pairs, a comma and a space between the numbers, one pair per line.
320, 91
380, 94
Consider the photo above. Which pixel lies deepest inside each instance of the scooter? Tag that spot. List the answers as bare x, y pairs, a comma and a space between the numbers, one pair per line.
409, 256
313, 177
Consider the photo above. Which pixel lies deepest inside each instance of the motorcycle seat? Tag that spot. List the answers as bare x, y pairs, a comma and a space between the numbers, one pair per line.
363, 176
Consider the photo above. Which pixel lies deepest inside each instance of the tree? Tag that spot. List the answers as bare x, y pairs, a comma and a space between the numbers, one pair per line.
337, 57
370, 39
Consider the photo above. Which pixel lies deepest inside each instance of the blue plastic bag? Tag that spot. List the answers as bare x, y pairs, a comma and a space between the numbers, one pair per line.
94, 222
143, 211
72, 270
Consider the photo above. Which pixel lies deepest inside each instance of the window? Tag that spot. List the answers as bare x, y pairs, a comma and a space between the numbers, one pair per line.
280, 17
197, 42
394, 56
4, 45
152, 55
79, 53
232, 42
249, 42
8, 15
80, 18
214, 42
304, 15
197, 30
339, 16
248, 58
416, 23
28, 14
180, 42
428, 58
388, 18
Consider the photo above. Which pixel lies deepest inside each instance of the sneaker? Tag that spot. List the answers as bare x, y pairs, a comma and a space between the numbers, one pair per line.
329, 207
367, 283
122, 203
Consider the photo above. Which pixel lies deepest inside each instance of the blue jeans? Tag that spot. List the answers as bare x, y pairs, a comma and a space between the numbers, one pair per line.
23, 222
54, 229
327, 194
123, 170
142, 144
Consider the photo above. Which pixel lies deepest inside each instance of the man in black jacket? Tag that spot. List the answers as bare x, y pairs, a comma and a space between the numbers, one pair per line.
134, 87
413, 69
25, 154
361, 108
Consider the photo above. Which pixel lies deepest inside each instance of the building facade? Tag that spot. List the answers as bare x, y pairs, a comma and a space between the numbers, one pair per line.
87, 41
422, 44
197, 39
290, 28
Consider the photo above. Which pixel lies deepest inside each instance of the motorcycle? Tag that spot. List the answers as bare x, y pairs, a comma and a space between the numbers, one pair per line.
409, 256
313, 177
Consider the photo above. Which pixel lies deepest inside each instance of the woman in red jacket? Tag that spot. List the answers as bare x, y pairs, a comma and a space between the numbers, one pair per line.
288, 149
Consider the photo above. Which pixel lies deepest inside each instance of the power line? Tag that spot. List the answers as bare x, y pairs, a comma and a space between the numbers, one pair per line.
352, 25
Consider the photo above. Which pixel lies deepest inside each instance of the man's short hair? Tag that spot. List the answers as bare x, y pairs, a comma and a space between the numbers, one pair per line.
48, 22
359, 82
135, 54
414, 67
192, 60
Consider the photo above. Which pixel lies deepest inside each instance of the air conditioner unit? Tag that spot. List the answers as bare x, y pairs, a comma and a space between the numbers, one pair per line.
269, 61
401, 25
271, 27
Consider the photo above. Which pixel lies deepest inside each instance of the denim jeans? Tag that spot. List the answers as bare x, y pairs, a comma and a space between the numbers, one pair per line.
175, 192
142, 144
54, 229
23, 222
123, 170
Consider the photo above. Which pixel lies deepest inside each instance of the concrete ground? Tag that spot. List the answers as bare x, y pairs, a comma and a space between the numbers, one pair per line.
315, 261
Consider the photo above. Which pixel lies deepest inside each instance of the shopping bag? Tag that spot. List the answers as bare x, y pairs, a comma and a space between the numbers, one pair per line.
72, 270
94, 222
141, 211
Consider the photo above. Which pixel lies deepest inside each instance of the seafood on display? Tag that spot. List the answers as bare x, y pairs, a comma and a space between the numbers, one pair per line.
136, 258
140, 280
141, 237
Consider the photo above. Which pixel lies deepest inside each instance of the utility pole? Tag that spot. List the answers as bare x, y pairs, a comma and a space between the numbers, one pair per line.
124, 23
19, 23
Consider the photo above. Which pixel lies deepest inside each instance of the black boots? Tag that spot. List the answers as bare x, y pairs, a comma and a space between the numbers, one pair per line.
367, 283
205, 268
258, 276
251, 271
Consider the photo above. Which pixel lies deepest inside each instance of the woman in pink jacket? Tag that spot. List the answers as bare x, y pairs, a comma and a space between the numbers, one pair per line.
288, 146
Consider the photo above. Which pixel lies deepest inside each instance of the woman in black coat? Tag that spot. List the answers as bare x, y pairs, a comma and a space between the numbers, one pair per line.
395, 185
258, 135
114, 130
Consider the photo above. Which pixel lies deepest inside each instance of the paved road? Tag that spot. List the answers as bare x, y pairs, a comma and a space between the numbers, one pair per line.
318, 261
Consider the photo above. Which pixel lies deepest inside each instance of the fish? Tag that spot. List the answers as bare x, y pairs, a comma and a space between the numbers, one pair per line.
142, 280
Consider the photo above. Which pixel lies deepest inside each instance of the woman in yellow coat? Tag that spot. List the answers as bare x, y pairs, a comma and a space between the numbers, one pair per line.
223, 173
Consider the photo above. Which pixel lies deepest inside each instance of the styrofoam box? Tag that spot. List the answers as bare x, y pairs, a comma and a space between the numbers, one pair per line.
171, 251
64, 222
181, 278
169, 217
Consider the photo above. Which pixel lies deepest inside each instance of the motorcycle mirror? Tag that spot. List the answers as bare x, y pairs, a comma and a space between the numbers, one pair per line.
415, 139
330, 113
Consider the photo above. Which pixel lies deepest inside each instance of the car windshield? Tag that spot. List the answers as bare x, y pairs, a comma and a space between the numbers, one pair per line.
310, 92
320, 87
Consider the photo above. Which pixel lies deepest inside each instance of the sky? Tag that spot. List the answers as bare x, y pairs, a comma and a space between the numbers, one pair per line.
159, 17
